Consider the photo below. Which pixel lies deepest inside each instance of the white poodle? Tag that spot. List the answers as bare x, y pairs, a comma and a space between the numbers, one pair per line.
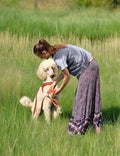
43, 101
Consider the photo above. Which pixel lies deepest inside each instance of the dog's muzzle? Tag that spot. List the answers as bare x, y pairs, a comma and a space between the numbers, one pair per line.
52, 76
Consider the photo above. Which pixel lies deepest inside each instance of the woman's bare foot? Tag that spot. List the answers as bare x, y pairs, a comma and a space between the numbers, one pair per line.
98, 129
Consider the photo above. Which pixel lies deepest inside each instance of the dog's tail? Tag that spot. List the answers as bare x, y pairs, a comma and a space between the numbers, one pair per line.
26, 101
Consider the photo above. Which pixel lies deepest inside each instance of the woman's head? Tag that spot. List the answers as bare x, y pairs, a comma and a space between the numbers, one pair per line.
43, 47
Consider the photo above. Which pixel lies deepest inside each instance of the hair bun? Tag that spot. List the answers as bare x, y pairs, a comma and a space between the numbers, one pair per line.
41, 41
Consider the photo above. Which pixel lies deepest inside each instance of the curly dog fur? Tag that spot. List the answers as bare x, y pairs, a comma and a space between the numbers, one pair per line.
47, 70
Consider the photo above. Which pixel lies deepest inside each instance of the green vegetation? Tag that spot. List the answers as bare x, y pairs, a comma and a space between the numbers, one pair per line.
59, 3
96, 30
93, 24
20, 135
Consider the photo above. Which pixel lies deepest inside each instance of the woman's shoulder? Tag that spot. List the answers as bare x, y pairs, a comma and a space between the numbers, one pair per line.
72, 46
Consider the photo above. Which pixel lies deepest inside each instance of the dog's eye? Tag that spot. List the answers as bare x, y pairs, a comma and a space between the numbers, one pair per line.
46, 69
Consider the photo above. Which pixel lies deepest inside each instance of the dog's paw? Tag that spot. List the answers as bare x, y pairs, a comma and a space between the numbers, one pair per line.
59, 110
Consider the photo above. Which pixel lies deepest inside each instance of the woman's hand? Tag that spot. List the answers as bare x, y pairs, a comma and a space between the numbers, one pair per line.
65, 75
57, 91
53, 85
53, 91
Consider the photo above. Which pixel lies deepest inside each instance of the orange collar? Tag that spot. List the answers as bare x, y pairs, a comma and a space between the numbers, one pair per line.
45, 84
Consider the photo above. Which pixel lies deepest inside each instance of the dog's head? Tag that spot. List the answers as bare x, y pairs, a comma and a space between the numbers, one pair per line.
47, 67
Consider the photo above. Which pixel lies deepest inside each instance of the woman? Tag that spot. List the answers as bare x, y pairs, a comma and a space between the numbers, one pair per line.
80, 63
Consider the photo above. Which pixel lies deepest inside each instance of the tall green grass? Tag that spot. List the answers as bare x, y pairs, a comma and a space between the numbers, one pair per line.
20, 135
90, 23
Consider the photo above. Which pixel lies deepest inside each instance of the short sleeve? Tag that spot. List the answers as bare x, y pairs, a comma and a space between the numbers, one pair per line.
60, 57
61, 63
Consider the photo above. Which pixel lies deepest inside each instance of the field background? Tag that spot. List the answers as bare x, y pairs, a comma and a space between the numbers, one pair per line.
96, 29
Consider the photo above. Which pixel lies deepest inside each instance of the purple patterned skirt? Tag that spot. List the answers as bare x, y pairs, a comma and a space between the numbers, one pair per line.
87, 102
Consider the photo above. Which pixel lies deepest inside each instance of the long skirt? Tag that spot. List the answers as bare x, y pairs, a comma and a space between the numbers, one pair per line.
87, 102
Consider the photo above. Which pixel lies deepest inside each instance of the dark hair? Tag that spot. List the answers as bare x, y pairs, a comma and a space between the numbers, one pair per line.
44, 45
41, 46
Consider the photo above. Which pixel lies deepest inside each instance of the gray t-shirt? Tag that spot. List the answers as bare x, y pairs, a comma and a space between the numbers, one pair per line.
74, 58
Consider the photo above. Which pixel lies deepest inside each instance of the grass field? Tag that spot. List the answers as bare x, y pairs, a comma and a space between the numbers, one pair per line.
20, 135
19, 31
91, 23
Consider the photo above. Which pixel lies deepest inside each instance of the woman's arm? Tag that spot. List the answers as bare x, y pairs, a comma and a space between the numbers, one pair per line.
65, 75
59, 78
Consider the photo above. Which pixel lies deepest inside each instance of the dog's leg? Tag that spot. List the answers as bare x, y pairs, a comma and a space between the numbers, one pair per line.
36, 113
56, 112
47, 109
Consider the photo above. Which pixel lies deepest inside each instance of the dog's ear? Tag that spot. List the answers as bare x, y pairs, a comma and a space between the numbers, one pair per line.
40, 72
53, 64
